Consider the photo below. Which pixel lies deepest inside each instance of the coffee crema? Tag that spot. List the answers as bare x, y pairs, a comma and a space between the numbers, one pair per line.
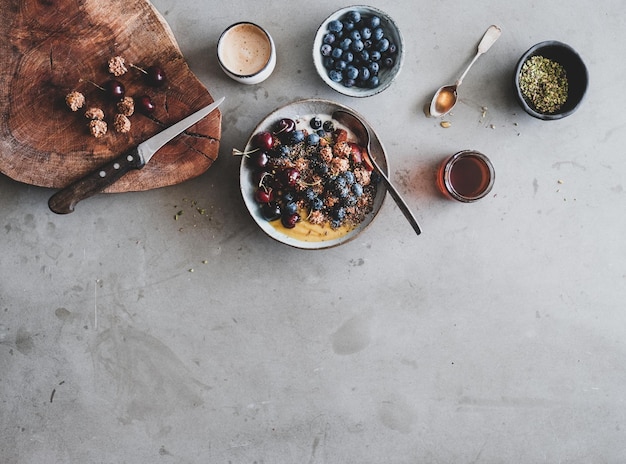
245, 49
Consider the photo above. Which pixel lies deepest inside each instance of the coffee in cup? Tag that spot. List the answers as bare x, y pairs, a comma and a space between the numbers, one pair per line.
246, 53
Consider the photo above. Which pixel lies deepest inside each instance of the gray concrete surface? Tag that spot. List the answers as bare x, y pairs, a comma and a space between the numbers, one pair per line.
497, 336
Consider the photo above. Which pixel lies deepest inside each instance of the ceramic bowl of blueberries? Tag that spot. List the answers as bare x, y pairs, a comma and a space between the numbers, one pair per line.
358, 51
304, 179
550, 80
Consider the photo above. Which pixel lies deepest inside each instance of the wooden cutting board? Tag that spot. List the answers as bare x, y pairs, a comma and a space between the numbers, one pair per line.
52, 47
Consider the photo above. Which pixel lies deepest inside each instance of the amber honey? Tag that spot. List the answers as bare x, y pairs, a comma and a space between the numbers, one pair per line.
466, 176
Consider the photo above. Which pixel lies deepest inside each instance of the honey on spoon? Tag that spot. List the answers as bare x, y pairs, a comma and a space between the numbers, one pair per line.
445, 98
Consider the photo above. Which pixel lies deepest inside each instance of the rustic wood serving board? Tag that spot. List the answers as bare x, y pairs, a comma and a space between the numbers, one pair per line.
51, 47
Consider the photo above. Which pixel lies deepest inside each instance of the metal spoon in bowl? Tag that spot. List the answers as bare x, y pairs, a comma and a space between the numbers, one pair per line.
445, 98
361, 131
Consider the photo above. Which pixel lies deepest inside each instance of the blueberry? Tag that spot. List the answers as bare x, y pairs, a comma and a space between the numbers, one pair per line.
284, 151
364, 73
316, 204
312, 139
315, 123
339, 183
345, 44
357, 189
348, 25
328, 62
335, 224
364, 55
366, 33
354, 16
309, 194
357, 45
340, 65
335, 75
367, 44
374, 82
326, 49
388, 62
335, 25
349, 176
290, 207
375, 55
338, 213
288, 197
374, 22
344, 192
336, 53
378, 34
382, 45
296, 136
351, 73
348, 57
328, 126
329, 38
393, 48
373, 67
351, 200
355, 34
349, 82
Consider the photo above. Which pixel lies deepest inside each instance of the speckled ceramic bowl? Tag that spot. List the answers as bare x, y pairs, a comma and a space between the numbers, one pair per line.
301, 110
576, 72
386, 75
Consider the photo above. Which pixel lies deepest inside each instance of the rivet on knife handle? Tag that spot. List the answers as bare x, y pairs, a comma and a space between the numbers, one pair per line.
64, 201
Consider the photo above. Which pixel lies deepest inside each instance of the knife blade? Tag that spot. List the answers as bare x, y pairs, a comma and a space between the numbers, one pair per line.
65, 200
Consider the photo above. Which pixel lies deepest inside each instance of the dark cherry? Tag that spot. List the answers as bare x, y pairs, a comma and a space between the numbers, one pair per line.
263, 140
290, 177
271, 210
155, 76
290, 221
263, 195
284, 125
259, 159
114, 90
145, 104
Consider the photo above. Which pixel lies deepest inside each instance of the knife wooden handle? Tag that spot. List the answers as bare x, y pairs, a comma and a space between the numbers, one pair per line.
64, 201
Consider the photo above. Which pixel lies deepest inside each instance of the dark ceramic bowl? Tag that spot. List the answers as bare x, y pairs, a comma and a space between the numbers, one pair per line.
576, 72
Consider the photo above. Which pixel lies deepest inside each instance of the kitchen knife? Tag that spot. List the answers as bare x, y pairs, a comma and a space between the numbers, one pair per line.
64, 201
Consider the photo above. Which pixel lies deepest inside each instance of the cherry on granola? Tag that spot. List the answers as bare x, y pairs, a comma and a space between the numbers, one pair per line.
263, 140
271, 211
259, 159
290, 177
264, 195
284, 125
290, 221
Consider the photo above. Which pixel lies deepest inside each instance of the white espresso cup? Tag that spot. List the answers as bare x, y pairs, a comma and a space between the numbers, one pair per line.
246, 53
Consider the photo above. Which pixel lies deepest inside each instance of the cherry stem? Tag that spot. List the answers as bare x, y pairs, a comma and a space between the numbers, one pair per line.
92, 83
138, 68
261, 185
237, 152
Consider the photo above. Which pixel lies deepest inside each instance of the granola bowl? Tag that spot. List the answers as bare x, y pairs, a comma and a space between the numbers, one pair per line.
304, 179
550, 80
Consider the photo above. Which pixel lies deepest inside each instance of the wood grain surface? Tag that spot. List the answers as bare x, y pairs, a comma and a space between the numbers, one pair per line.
52, 47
